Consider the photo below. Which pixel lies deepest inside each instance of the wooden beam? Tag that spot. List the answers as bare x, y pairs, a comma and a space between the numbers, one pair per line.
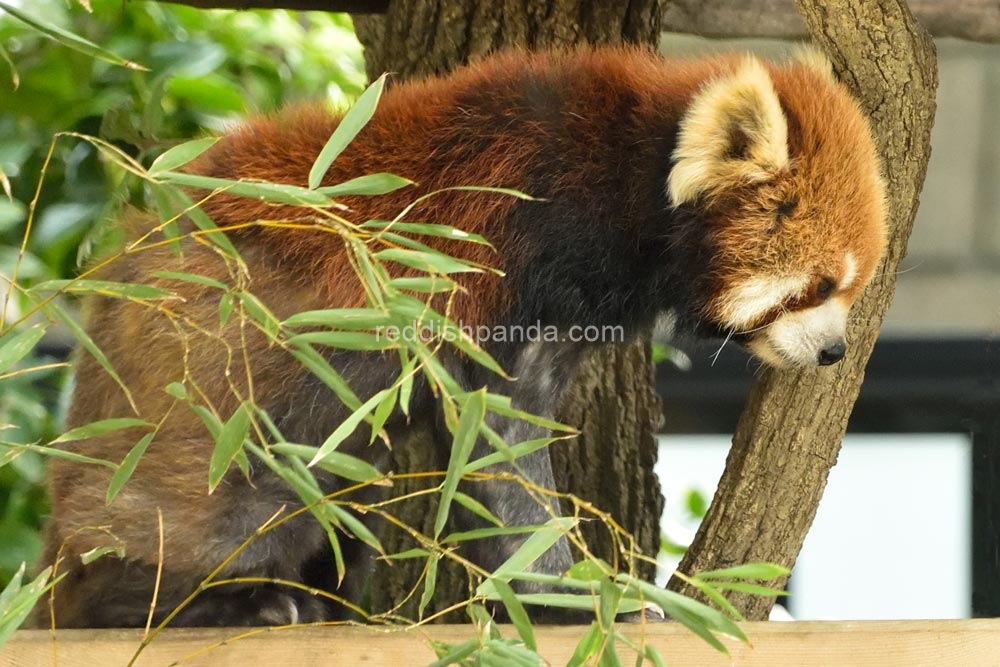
350, 6
977, 20
970, 643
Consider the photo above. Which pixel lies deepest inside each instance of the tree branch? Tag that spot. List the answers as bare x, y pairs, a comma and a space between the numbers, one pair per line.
350, 6
789, 434
977, 20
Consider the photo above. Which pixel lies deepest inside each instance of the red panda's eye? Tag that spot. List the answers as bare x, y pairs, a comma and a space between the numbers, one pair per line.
824, 289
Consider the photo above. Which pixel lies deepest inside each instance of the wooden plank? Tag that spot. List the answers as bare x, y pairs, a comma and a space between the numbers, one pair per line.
969, 643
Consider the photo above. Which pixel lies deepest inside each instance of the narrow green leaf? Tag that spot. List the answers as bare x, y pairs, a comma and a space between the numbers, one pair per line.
540, 541
353, 121
590, 569
341, 318
427, 261
101, 427
88, 557
192, 278
473, 413
477, 508
180, 155
261, 314
343, 465
509, 454
588, 646
453, 654
16, 345
746, 587
426, 229
69, 39
321, 368
345, 340
382, 413
406, 387
484, 533
516, 612
275, 193
228, 444
354, 526
423, 284
609, 600
177, 390
696, 616
371, 184
127, 466
17, 600
408, 554
226, 304
430, 582
759, 571
105, 288
347, 427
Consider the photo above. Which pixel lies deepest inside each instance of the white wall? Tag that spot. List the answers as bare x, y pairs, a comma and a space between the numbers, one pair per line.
891, 538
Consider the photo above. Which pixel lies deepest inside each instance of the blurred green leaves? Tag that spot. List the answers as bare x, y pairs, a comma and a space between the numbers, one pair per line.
65, 74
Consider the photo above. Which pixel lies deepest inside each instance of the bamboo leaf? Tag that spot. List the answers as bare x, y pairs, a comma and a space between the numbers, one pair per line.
127, 466
588, 645
275, 193
70, 40
347, 129
424, 284
104, 288
517, 614
426, 229
228, 444
382, 413
343, 465
341, 318
192, 278
347, 427
427, 261
430, 581
16, 345
101, 427
541, 540
759, 571
477, 508
371, 184
345, 340
17, 600
466, 433
180, 155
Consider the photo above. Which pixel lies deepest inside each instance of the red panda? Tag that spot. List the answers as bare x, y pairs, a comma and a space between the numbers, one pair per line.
743, 198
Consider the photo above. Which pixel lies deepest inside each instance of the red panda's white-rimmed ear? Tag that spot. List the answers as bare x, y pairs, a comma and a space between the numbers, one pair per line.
811, 56
734, 131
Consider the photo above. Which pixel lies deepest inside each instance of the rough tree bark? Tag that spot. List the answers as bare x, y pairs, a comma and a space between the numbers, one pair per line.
789, 434
613, 403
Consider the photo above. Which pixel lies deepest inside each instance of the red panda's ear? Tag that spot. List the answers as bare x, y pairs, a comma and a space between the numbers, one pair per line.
734, 131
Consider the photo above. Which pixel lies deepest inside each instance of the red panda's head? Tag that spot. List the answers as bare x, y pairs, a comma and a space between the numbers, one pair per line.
781, 164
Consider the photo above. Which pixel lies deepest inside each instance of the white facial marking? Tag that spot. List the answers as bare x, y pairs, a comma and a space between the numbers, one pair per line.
742, 305
851, 270
796, 338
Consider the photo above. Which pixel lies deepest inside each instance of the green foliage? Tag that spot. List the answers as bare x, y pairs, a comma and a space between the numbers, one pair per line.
203, 69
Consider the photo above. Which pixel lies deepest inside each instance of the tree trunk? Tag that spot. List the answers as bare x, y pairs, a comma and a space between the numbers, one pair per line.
789, 434
614, 403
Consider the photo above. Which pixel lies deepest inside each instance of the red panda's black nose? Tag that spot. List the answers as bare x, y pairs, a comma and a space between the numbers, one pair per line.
831, 354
